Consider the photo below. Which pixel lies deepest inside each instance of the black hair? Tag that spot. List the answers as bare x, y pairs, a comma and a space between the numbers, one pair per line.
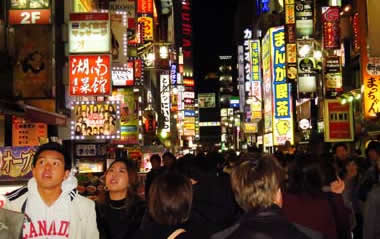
340, 144
53, 146
155, 157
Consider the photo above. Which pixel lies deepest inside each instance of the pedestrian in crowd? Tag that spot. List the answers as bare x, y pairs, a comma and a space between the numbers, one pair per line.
371, 225
170, 200
305, 204
341, 155
256, 185
169, 161
120, 214
213, 207
156, 170
371, 176
11, 224
50, 200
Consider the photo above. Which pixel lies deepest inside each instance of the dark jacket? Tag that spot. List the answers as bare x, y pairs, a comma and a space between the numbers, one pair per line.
268, 223
371, 225
11, 224
319, 216
158, 231
214, 207
119, 219
150, 178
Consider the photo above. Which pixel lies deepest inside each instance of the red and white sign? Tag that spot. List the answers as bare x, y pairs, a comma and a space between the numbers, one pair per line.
145, 6
27, 16
90, 75
189, 94
338, 121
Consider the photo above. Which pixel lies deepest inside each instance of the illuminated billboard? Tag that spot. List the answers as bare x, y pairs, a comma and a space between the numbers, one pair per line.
90, 75
89, 33
95, 120
282, 103
206, 100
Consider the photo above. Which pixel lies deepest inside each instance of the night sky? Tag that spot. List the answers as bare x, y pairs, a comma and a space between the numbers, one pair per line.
213, 35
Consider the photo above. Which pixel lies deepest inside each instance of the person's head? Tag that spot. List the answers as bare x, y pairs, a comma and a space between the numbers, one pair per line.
51, 165
89, 130
341, 151
95, 109
373, 151
170, 199
95, 131
155, 160
78, 129
351, 167
121, 176
101, 130
256, 182
305, 175
169, 160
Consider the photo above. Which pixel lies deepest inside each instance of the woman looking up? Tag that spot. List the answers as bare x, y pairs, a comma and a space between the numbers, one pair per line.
119, 215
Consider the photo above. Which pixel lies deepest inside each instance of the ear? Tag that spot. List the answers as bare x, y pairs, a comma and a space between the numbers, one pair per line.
67, 173
278, 198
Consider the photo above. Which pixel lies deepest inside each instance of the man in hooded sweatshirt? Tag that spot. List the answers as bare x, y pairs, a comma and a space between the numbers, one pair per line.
50, 201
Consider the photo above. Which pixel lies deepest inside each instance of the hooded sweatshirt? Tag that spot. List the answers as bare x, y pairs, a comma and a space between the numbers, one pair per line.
52, 221
70, 216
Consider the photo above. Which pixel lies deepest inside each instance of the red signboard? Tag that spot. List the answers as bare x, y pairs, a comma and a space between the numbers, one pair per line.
90, 75
145, 6
188, 82
331, 29
27, 133
338, 121
138, 68
28, 16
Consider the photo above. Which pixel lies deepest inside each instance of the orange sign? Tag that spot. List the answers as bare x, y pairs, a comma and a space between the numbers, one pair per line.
147, 23
145, 6
27, 16
27, 133
90, 75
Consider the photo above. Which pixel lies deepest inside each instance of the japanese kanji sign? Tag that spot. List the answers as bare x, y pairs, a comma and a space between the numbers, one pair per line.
371, 82
145, 6
282, 105
338, 121
147, 23
16, 163
331, 28
256, 94
165, 101
90, 33
267, 83
27, 133
90, 75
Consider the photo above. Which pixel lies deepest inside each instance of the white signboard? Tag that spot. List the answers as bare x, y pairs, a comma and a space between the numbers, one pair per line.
165, 100
89, 33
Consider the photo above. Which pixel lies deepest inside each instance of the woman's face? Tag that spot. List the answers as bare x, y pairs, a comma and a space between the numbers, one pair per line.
372, 155
352, 169
117, 177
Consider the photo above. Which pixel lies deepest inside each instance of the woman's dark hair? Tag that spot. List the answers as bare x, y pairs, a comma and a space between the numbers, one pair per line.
373, 145
170, 199
305, 176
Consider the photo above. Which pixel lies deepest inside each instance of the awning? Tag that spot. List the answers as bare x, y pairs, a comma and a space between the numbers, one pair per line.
10, 108
32, 113
38, 115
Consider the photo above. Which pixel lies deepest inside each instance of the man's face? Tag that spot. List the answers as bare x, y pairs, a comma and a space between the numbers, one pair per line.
49, 170
341, 153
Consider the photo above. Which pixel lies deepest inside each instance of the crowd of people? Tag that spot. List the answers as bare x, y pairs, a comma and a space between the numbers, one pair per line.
320, 194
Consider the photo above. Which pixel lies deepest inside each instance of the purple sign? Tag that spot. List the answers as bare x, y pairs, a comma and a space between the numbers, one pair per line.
16, 163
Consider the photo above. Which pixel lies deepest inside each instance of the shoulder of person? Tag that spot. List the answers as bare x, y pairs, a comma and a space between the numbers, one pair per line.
15, 199
83, 203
